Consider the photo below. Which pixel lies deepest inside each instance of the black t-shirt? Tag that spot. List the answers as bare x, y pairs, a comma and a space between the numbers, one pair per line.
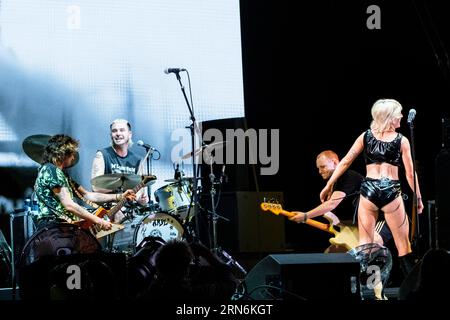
117, 164
349, 183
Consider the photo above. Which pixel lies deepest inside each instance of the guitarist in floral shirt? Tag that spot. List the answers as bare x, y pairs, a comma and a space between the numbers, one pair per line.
54, 188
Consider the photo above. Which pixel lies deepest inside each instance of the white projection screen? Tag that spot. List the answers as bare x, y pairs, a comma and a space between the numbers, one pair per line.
74, 66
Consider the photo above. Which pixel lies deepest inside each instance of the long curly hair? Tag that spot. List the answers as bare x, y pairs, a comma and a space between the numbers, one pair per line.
59, 147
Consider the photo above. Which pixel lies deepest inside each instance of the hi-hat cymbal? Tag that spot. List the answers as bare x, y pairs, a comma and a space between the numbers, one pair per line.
114, 181
207, 147
34, 147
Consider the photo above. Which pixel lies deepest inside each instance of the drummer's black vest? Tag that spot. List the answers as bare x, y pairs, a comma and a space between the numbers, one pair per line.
117, 164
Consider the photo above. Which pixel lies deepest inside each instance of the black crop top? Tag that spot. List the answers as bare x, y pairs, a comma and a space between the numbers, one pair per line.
377, 151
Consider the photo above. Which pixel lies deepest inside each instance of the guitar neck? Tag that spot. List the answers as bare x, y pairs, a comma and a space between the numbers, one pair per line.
311, 222
120, 204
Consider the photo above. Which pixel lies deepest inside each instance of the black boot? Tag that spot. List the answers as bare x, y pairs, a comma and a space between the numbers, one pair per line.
407, 263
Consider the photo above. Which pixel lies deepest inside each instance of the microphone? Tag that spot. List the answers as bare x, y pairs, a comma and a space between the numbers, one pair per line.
411, 115
145, 145
173, 70
177, 174
223, 176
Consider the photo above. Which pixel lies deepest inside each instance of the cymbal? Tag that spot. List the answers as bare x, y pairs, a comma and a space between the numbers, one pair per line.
215, 145
34, 147
181, 179
114, 181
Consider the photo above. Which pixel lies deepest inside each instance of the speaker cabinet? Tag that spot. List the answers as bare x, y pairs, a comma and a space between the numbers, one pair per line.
247, 228
238, 175
442, 198
314, 276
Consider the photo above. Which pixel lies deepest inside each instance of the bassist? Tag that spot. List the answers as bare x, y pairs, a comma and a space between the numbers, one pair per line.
344, 198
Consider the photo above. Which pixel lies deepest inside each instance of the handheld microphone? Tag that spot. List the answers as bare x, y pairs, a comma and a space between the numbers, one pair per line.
173, 70
145, 145
411, 115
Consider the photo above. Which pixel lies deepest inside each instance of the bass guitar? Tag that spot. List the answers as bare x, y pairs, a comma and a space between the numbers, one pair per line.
347, 236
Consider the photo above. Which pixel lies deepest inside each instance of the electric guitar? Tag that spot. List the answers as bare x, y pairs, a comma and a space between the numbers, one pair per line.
347, 236
102, 212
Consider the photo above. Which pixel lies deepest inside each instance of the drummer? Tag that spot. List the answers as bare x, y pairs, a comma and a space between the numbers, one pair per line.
55, 189
118, 158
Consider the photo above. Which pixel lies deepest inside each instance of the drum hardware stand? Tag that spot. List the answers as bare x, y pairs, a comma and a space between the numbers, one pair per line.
222, 254
149, 158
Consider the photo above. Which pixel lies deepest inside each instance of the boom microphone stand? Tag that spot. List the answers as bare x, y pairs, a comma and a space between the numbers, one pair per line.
194, 202
193, 127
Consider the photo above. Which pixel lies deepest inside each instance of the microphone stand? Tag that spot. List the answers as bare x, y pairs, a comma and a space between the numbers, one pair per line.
415, 231
192, 127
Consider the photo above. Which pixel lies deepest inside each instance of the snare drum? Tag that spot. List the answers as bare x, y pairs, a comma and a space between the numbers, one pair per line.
175, 199
158, 225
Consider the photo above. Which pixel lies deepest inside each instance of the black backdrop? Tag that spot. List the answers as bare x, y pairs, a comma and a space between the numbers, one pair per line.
313, 70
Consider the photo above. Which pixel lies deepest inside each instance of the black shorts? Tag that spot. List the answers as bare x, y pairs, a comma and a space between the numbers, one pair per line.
380, 191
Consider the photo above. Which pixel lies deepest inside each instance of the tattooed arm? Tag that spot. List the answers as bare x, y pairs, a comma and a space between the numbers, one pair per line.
343, 165
71, 206
98, 169
110, 197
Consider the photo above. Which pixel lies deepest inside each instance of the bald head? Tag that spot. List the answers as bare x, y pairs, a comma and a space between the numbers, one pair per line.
326, 162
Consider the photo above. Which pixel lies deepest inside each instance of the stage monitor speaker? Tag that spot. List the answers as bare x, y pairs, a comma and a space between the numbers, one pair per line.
443, 198
248, 229
314, 276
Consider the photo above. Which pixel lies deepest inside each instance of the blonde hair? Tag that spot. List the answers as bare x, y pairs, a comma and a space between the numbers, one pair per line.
130, 141
384, 111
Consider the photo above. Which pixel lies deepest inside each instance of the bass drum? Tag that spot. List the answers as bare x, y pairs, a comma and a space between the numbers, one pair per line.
158, 225
58, 240
5, 262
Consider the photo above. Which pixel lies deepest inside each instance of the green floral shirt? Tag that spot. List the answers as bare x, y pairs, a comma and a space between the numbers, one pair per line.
50, 177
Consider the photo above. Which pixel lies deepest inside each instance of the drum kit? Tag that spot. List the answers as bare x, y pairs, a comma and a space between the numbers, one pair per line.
165, 219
